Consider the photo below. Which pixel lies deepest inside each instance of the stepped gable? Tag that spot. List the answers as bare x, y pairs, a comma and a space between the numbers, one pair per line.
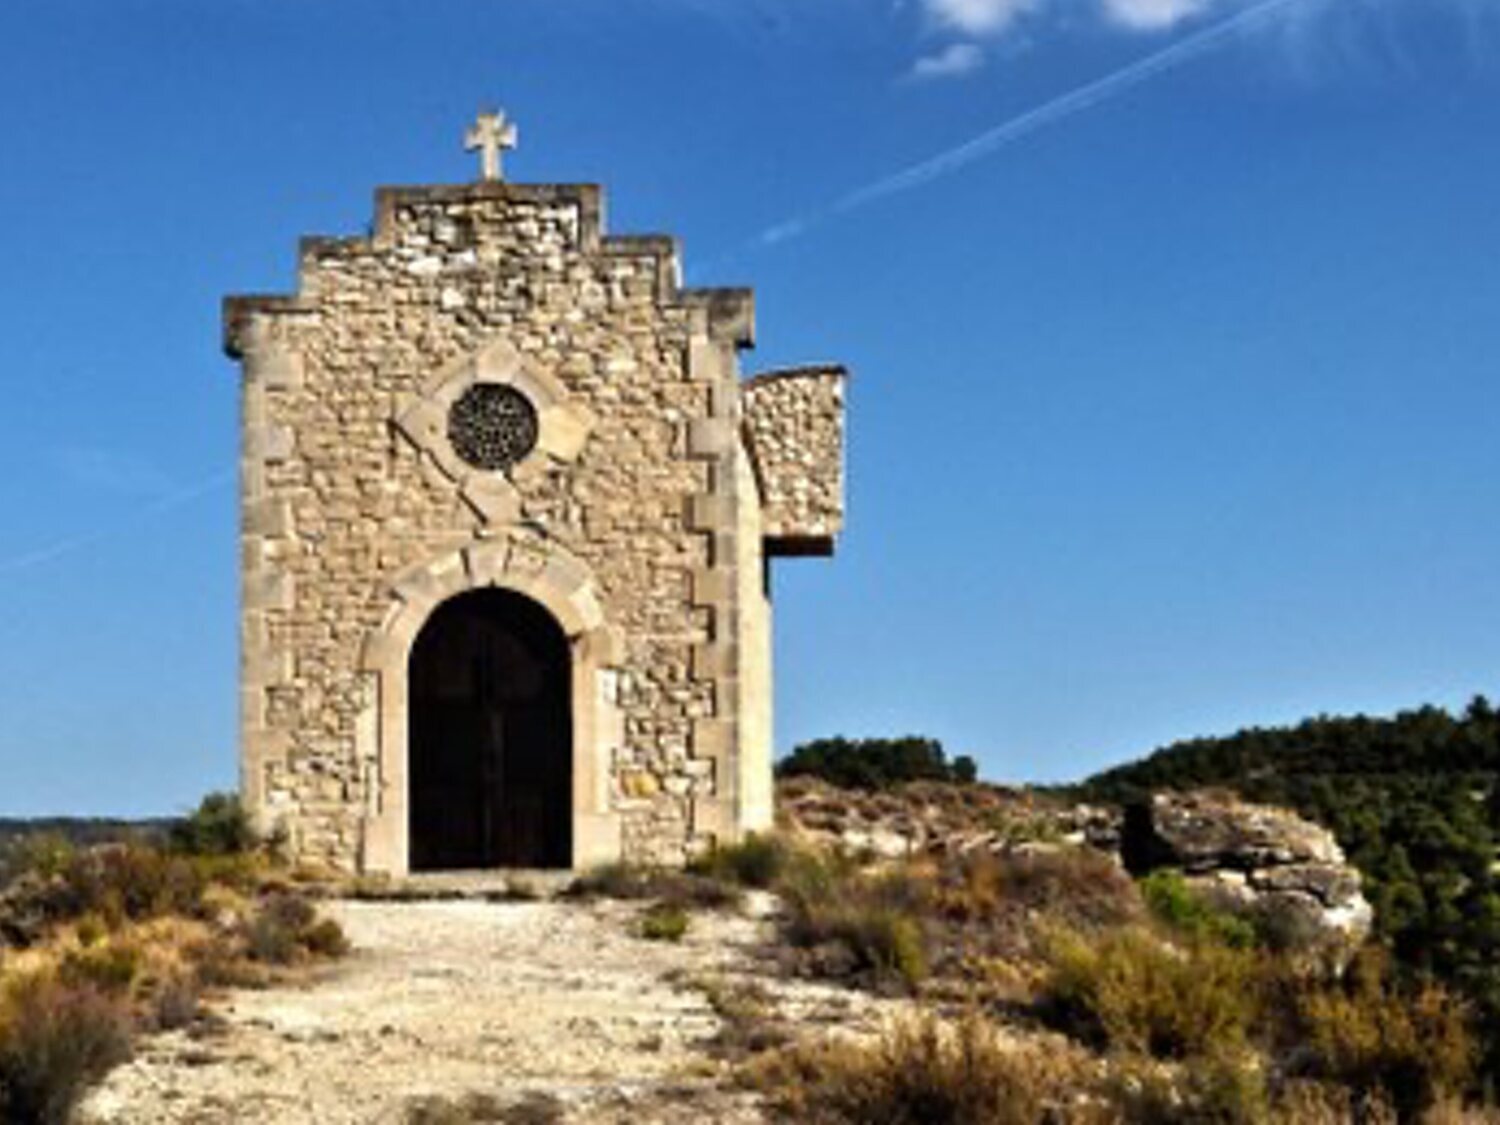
506, 505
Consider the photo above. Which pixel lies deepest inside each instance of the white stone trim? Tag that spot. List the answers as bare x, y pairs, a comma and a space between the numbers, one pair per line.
563, 424
564, 587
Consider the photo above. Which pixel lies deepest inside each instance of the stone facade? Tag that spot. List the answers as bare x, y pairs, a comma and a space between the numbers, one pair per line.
654, 485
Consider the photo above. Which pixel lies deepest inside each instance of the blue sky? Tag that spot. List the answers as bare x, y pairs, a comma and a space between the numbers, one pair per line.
1175, 340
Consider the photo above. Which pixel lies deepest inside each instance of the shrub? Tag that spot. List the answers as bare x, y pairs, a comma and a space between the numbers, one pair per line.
55, 1038
1371, 1034
879, 941
285, 929
627, 881
921, 1073
757, 861
747, 1017
174, 1002
326, 938
471, 1109
1129, 991
1301, 1102
1076, 887
664, 921
1172, 901
44, 854
111, 967
125, 881
219, 826
1217, 1090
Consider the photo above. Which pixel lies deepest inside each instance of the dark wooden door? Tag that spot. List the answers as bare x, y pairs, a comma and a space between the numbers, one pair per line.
490, 737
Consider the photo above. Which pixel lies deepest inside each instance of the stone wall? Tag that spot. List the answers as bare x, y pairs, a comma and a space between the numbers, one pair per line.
794, 426
356, 521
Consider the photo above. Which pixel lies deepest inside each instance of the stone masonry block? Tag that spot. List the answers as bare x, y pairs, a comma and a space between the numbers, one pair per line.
710, 661
269, 590
713, 816
712, 585
493, 499
710, 437
270, 519
269, 443
710, 513
712, 738
275, 368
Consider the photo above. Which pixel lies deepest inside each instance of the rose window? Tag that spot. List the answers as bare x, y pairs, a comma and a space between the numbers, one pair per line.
492, 426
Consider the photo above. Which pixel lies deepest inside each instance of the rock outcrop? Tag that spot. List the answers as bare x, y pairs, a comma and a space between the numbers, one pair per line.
936, 818
1285, 873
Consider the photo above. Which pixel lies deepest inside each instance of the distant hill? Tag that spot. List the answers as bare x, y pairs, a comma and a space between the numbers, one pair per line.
79, 830
1413, 799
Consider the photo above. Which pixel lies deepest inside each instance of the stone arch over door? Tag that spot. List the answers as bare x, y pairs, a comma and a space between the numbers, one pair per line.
560, 585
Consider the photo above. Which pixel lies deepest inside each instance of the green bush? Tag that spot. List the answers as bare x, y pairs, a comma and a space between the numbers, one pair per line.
757, 861
1126, 990
664, 921
55, 1039
219, 826
1172, 901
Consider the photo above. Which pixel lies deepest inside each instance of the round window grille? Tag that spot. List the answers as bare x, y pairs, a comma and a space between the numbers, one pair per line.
492, 426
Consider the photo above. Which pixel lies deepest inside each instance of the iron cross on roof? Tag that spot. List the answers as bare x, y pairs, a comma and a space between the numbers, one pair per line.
490, 134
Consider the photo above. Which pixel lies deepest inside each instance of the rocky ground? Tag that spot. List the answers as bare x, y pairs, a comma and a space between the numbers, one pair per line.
535, 1011
529, 1012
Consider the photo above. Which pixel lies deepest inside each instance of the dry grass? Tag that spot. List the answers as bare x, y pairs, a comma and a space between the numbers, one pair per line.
112, 941
748, 1018
56, 1037
680, 888
1369, 1034
926, 1073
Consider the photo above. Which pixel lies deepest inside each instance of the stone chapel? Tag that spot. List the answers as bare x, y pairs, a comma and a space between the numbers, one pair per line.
507, 514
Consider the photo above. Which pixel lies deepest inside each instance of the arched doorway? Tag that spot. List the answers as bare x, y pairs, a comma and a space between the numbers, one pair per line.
490, 741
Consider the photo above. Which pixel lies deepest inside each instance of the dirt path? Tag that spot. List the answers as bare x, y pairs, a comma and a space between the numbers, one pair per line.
555, 1003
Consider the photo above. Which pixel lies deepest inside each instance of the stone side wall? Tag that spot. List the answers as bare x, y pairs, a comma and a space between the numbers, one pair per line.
794, 426
757, 812
342, 505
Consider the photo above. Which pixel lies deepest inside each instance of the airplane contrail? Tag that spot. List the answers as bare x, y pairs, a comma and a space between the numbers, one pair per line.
28, 560
1051, 112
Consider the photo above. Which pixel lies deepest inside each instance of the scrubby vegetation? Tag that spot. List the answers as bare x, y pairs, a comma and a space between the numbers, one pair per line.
664, 921
1415, 802
100, 943
1165, 1008
877, 763
923, 1073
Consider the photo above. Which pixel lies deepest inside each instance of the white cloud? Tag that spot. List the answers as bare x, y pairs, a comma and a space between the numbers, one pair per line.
977, 17
1152, 15
953, 61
